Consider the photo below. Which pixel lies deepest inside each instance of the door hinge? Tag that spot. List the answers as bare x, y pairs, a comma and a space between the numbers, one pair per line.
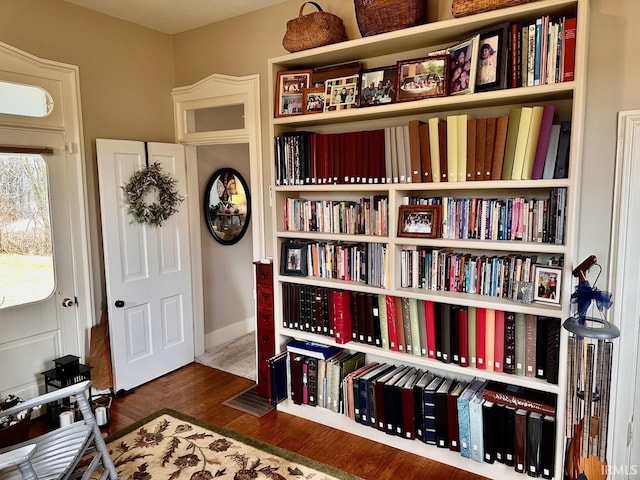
270, 196
629, 433
70, 147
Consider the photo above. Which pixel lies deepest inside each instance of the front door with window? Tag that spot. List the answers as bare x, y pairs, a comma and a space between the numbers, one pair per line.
35, 260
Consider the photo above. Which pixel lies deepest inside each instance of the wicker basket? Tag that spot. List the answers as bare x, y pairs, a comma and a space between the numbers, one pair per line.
313, 30
379, 16
462, 8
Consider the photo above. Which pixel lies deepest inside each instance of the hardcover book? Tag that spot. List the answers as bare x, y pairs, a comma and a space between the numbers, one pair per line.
462, 402
452, 415
520, 440
441, 413
418, 396
520, 397
489, 431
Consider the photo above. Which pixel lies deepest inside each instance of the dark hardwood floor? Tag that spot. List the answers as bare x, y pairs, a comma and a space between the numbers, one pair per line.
199, 391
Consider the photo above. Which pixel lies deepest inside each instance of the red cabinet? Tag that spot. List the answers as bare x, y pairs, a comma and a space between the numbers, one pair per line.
264, 327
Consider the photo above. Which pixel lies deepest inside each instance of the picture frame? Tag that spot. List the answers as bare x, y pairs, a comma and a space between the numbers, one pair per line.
547, 284
422, 78
378, 86
419, 221
289, 87
327, 72
523, 292
492, 58
341, 93
293, 261
462, 66
313, 100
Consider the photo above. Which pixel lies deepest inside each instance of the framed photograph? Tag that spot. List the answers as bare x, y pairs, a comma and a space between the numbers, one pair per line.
523, 292
378, 86
341, 93
547, 284
462, 66
324, 73
491, 61
422, 78
313, 100
419, 221
294, 259
289, 87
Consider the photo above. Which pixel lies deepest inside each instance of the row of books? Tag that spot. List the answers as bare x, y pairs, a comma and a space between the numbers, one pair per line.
368, 216
482, 338
539, 220
524, 145
484, 421
444, 270
349, 261
542, 52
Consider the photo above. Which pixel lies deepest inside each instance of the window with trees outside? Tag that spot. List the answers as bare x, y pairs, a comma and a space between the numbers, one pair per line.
26, 259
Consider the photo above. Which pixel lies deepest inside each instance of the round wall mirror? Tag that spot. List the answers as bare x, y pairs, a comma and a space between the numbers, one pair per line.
227, 206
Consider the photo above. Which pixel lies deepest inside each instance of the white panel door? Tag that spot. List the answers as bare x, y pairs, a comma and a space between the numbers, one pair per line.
147, 268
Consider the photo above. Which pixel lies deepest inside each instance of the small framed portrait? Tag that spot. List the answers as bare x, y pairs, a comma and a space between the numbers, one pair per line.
547, 284
523, 292
491, 61
422, 78
289, 87
294, 259
341, 93
378, 86
313, 100
462, 66
419, 221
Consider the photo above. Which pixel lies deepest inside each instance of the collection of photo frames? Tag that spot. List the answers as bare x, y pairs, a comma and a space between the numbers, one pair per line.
476, 64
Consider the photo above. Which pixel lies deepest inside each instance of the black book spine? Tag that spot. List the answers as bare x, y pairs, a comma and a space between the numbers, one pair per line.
553, 349
312, 380
509, 365
489, 431
375, 308
355, 319
445, 332
562, 158
442, 421
533, 444
453, 335
547, 449
541, 347
509, 419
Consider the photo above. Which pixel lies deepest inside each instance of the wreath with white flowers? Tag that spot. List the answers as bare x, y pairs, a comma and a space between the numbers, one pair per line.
143, 183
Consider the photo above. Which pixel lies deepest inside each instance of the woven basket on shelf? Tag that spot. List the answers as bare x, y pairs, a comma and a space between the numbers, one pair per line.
462, 8
313, 30
379, 16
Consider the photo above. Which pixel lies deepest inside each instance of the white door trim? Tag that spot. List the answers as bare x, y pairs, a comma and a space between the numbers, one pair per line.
62, 82
213, 91
624, 283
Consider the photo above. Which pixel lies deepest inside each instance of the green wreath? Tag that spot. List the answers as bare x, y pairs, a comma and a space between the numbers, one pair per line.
138, 188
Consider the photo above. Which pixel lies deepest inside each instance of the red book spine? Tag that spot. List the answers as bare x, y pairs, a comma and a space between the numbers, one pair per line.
481, 319
463, 336
498, 356
452, 422
391, 322
342, 316
430, 320
569, 51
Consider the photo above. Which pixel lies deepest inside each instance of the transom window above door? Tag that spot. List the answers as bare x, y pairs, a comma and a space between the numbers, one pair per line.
27, 100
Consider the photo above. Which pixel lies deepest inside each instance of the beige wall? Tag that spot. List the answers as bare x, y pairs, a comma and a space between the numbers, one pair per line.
126, 76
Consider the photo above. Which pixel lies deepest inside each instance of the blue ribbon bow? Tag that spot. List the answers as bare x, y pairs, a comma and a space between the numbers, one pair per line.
584, 294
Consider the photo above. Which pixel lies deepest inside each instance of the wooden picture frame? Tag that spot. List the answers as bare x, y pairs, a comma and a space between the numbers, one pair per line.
422, 78
313, 100
341, 93
547, 284
492, 58
378, 86
293, 261
289, 87
419, 221
462, 66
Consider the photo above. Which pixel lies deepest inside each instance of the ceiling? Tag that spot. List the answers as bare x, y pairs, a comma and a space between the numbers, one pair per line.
174, 16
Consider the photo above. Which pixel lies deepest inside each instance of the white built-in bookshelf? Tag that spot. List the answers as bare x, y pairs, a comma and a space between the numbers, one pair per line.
385, 49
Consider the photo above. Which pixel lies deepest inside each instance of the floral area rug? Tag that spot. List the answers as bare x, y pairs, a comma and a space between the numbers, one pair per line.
171, 446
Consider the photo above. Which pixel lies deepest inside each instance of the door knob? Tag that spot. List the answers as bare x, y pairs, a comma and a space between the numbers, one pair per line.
67, 302
119, 303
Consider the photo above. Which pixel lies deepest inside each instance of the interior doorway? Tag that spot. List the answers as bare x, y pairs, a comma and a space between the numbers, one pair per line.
218, 121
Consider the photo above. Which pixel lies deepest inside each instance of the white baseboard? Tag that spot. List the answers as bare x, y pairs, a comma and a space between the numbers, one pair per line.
228, 333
